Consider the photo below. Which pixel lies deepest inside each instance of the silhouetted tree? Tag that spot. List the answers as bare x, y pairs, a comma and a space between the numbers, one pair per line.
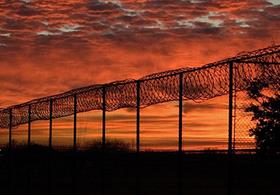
266, 113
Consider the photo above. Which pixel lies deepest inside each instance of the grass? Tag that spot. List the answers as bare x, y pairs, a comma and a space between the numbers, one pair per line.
95, 146
119, 171
111, 145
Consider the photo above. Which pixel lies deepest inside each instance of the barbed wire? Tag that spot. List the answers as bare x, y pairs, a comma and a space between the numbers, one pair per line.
199, 84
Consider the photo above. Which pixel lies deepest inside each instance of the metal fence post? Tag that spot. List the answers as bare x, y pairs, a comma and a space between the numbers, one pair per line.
230, 119
50, 123
10, 128
29, 147
180, 111
230, 107
138, 103
138, 116
75, 123
11, 161
180, 142
50, 149
103, 137
74, 172
29, 126
103, 117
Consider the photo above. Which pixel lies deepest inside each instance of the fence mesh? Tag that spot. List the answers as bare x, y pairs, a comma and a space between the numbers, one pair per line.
242, 123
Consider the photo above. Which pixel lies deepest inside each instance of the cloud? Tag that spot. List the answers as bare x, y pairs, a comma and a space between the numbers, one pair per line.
274, 2
48, 33
26, 1
71, 44
5, 34
103, 6
205, 106
27, 11
70, 28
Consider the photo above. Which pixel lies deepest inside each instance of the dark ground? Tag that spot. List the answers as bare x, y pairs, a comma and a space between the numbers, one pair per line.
125, 173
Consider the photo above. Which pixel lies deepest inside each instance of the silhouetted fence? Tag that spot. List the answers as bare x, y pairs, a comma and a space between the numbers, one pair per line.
230, 76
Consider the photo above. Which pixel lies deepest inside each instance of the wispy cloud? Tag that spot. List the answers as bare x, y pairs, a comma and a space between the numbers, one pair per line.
100, 41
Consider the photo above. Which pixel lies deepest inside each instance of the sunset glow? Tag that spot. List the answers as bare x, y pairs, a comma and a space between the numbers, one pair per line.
48, 47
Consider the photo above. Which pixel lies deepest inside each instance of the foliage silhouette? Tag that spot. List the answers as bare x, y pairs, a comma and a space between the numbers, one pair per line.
95, 146
266, 113
112, 145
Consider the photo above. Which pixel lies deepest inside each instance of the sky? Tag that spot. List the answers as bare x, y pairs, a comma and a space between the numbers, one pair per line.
50, 46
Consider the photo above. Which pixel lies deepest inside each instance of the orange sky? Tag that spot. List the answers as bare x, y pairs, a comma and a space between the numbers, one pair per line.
47, 47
